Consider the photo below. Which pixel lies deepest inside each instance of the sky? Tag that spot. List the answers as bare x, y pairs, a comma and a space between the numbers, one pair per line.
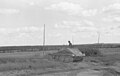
80, 21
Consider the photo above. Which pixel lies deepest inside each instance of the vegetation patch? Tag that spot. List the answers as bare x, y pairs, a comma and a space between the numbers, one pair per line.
90, 51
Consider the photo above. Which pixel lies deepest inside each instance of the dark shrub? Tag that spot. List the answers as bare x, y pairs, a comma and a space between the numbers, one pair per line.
90, 51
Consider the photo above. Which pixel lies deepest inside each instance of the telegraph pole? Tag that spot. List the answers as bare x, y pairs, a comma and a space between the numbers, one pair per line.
43, 39
98, 37
44, 36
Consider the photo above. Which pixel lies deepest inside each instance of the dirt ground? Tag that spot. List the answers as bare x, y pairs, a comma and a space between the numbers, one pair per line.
35, 64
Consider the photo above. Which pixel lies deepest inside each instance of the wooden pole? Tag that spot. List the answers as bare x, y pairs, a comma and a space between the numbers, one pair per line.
44, 39
98, 37
44, 36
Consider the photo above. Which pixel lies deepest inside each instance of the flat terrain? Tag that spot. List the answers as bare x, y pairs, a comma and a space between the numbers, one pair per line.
36, 64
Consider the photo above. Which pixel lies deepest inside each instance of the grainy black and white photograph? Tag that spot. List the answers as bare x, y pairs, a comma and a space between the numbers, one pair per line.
59, 37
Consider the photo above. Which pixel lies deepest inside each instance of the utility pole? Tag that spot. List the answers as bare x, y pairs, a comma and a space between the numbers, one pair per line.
44, 36
98, 37
44, 39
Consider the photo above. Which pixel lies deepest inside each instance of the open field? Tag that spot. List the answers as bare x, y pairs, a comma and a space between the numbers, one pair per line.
53, 47
108, 51
26, 54
36, 64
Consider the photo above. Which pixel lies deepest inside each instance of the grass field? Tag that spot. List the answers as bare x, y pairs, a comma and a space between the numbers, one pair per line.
35, 64
108, 51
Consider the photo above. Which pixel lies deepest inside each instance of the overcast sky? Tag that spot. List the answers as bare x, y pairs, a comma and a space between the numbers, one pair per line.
21, 21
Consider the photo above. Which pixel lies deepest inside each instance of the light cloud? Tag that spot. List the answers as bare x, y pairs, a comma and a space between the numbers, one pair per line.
71, 24
66, 6
19, 30
33, 2
90, 12
73, 9
112, 30
62, 26
112, 19
112, 7
55, 35
88, 22
117, 19
58, 35
8, 11
67, 24
75, 24
31, 29
85, 26
21, 36
89, 29
111, 13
